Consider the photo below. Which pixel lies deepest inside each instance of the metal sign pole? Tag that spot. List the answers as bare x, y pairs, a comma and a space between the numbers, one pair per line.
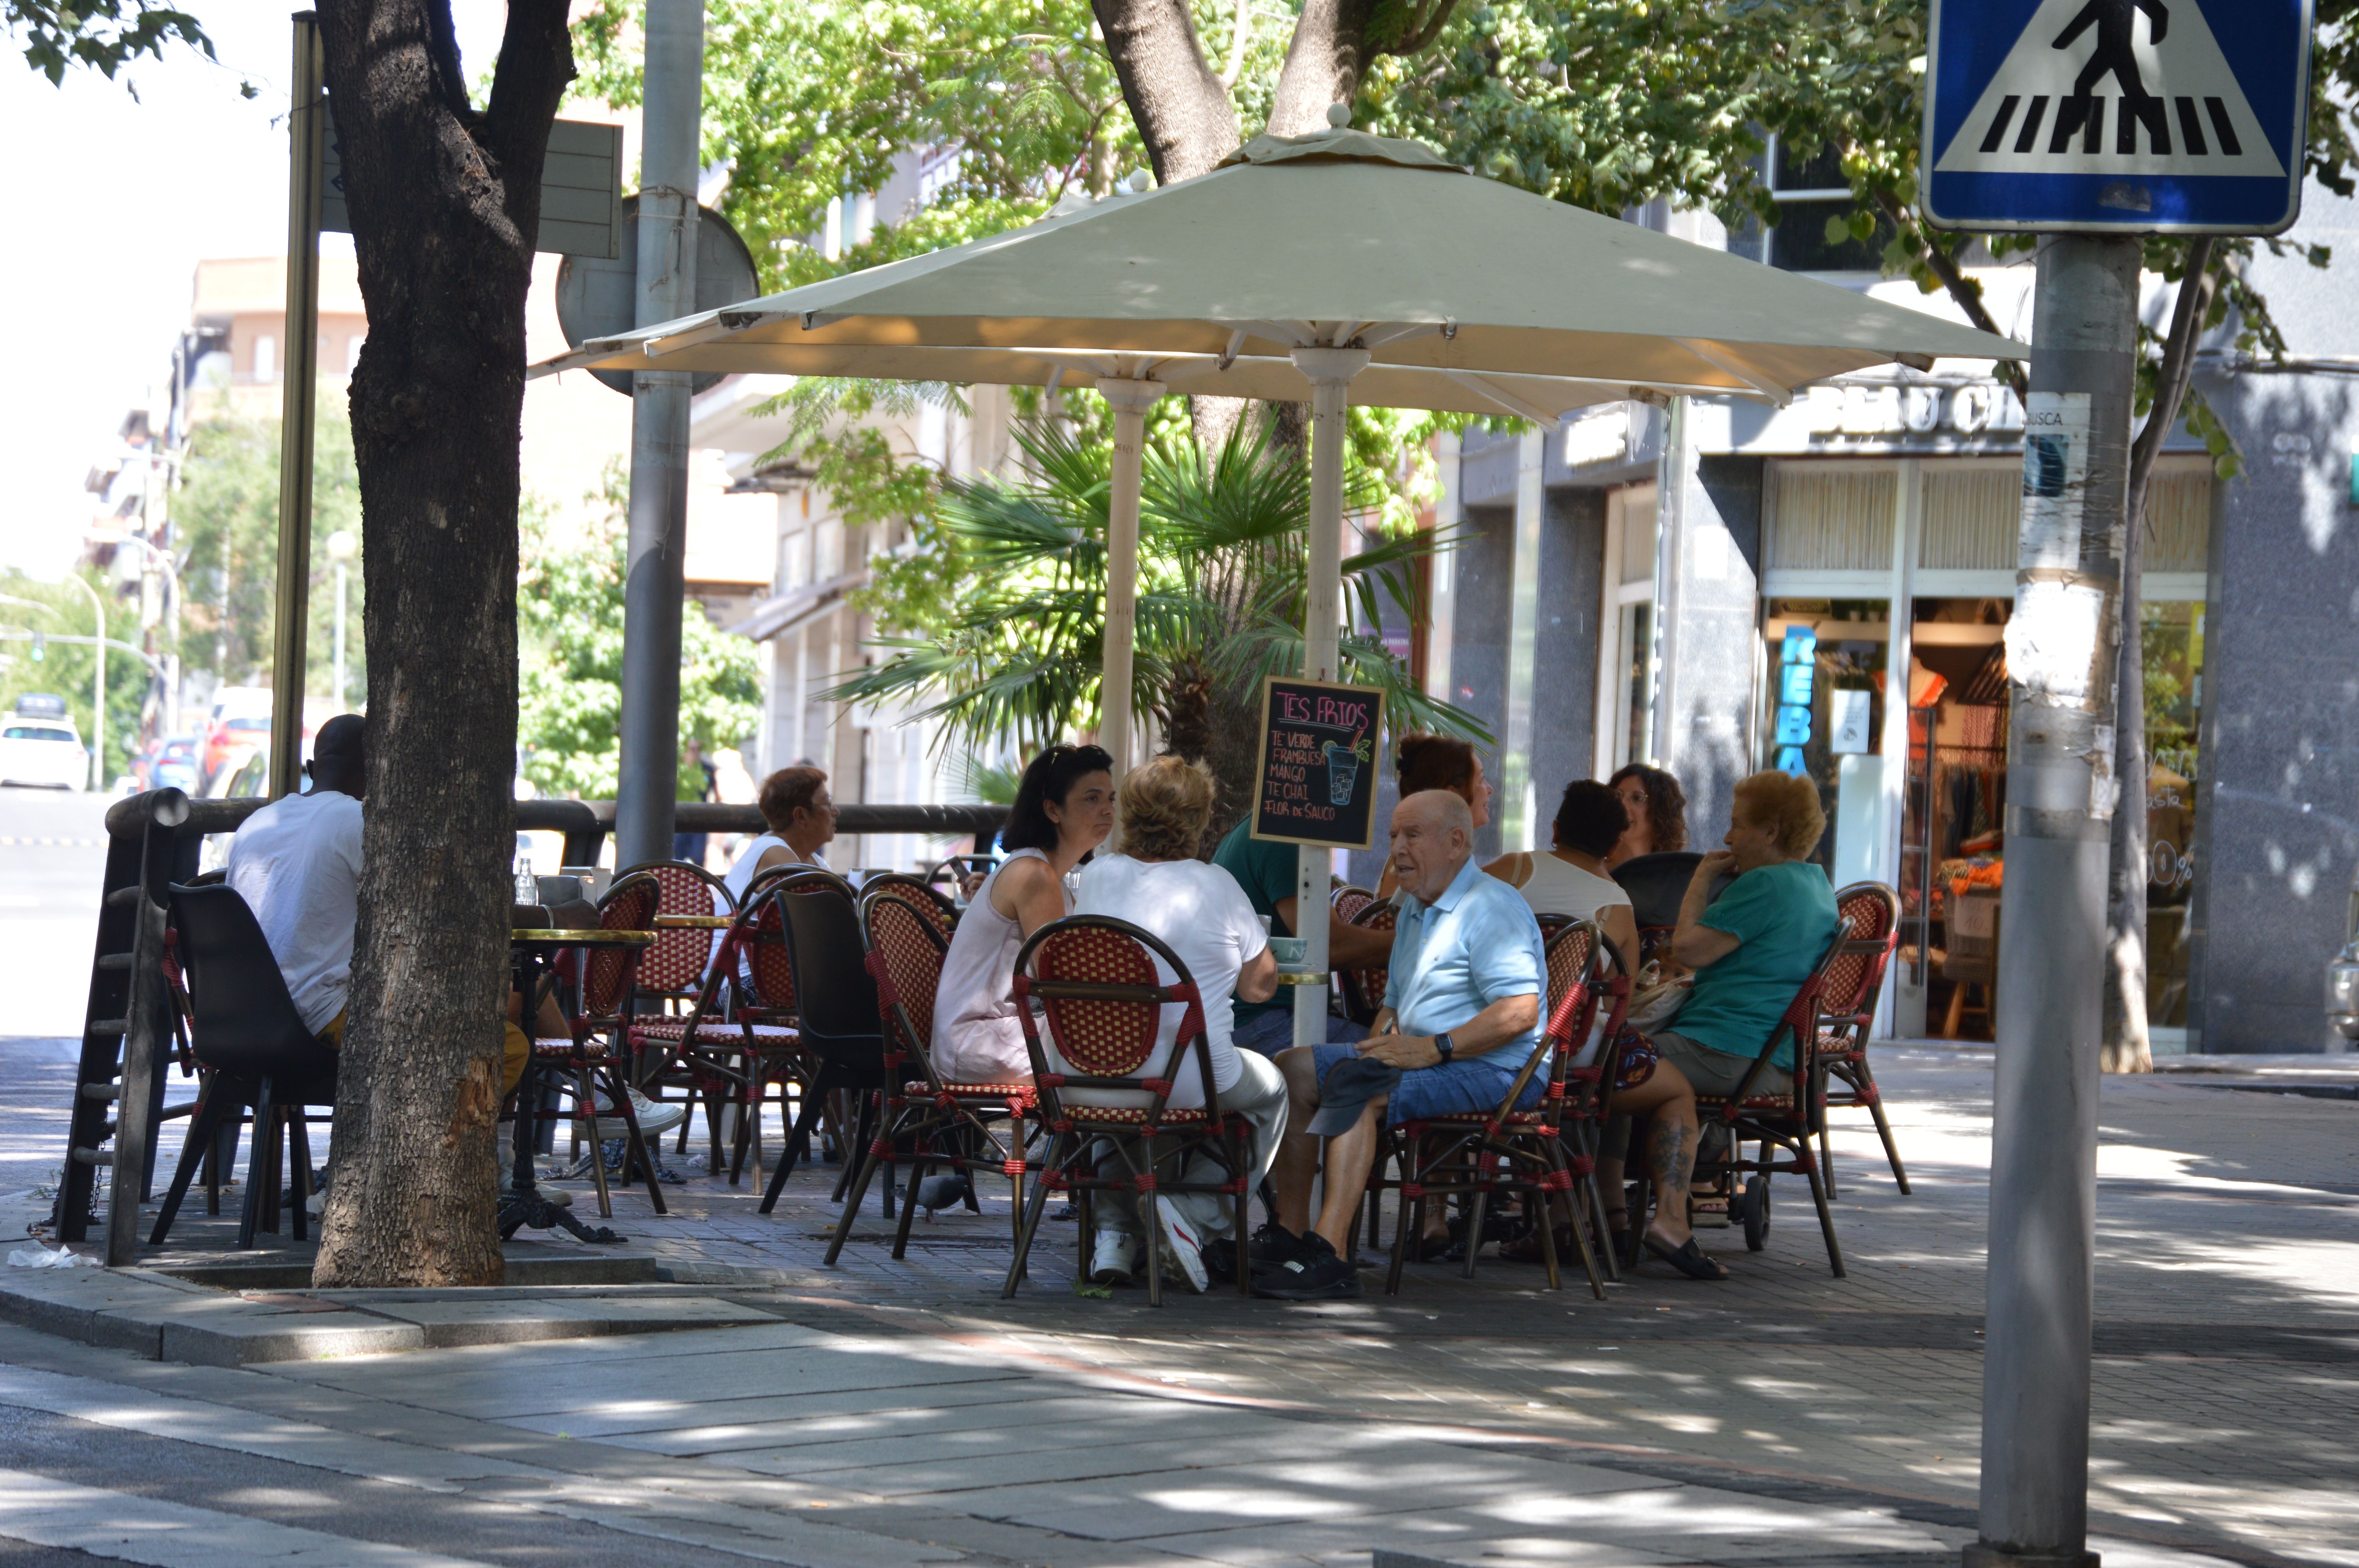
2048, 120
647, 793
307, 133
2060, 796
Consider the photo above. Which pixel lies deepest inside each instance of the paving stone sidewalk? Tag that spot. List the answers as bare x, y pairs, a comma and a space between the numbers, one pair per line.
905, 1413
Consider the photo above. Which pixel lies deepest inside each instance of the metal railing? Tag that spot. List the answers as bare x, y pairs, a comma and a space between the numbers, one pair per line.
584, 823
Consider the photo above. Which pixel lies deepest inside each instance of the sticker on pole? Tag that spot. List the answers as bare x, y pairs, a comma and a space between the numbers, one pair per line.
2151, 116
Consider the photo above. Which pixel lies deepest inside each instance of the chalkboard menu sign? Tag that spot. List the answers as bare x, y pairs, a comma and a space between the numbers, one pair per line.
1315, 774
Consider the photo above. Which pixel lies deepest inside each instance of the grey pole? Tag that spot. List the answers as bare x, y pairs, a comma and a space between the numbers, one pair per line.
306, 124
648, 787
2060, 790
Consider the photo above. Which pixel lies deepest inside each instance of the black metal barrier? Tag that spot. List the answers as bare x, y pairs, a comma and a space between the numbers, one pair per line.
156, 839
584, 823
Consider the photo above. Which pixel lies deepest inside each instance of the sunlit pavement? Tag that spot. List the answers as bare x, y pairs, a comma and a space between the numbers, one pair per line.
899, 1412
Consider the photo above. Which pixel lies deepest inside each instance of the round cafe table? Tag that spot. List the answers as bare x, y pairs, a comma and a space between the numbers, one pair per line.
532, 956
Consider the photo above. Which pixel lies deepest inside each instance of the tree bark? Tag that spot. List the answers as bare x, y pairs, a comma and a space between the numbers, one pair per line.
445, 207
2129, 1048
1183, 113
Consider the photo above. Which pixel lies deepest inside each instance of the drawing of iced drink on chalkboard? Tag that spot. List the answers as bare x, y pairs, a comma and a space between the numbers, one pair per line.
1344, 768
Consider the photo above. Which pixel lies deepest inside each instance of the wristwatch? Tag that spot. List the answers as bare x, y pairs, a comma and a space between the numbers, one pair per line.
1441, 1044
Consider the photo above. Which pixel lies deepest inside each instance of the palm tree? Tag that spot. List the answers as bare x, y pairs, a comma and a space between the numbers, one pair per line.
1221, 584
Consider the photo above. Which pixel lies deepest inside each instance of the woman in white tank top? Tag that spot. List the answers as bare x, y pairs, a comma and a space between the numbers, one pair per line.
795, 805
1570, 880
1064, 809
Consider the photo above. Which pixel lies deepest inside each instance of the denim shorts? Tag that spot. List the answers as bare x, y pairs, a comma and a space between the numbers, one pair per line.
1448, 1088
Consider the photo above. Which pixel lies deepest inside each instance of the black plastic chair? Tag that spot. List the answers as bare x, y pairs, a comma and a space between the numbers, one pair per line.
835, 1003
246, 1033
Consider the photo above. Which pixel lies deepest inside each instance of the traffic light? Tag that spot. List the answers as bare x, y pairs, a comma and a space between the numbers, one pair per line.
41, 647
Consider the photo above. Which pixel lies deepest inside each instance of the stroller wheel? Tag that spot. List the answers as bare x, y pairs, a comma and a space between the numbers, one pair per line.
1754, 1208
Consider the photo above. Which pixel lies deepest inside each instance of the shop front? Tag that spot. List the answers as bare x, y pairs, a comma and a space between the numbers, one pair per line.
1886, 589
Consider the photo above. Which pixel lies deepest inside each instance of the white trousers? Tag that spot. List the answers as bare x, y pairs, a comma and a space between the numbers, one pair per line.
1259, 1096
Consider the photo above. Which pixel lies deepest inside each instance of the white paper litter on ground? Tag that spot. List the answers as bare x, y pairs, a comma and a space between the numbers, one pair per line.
40, 1257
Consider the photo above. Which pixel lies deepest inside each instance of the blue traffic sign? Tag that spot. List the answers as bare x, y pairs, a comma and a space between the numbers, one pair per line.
2141, 116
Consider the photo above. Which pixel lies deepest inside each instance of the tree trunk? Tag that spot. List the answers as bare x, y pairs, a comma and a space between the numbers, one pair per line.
445, 207
1183, 113
1235, 721
1324, 60
2128, 1046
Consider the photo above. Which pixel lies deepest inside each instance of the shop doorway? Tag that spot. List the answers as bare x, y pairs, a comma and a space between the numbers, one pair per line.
1953, 817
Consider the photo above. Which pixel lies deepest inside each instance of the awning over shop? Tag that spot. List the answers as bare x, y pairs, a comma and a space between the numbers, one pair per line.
786, 612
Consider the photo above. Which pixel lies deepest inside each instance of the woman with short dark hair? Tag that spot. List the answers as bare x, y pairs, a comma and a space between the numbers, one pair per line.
1064, 808
1570, 878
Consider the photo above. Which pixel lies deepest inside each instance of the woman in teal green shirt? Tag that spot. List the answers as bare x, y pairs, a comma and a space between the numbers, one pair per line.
1751, 949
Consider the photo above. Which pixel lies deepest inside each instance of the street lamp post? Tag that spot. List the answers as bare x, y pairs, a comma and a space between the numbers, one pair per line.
339, 550
97, 687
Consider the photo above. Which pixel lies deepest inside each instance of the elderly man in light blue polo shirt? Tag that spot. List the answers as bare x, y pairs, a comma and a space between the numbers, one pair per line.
1461, 1017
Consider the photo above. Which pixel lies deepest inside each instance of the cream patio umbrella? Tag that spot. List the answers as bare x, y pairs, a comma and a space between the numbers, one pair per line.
1341, 265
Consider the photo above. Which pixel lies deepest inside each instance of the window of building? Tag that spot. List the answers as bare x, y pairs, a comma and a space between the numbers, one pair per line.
266, 357
1810, 189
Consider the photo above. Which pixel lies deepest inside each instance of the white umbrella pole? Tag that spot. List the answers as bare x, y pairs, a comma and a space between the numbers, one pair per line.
1330, 372
1131, 400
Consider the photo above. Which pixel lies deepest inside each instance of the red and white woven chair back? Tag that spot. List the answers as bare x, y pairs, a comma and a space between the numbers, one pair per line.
763, 963
904, 955
1855, 971
1103, 1037
675, 964
921, 898
1347, 902
629, 906
1364, 989
1571, 950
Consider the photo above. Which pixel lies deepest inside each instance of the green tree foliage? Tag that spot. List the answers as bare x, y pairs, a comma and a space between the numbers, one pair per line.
1220, 590
809, 100
103, 35
570, 662
226, 516
63, 669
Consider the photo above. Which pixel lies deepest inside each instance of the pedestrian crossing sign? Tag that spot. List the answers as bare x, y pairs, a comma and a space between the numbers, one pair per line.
2139, 116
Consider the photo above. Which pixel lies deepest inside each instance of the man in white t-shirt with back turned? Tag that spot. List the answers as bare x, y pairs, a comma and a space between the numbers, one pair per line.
297, 863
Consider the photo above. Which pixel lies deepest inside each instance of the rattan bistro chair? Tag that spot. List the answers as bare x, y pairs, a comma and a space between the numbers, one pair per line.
927, 1121
1777, 1112
1102, 1009
736, 1039
1856, 977
589, 1066
1475, 1155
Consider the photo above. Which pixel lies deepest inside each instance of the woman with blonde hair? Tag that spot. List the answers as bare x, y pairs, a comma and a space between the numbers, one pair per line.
1153, 879
1751, 949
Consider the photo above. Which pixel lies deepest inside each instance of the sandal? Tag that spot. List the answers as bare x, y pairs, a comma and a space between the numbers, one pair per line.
1689, 1260
1526, 1248
1433, 1247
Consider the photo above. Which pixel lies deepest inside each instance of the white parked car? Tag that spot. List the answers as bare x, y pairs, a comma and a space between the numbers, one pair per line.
45, 752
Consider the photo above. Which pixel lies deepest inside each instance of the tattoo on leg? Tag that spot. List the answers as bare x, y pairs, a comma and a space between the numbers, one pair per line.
1671, 1158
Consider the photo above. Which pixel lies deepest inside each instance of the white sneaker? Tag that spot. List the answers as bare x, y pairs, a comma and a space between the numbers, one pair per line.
656, 1117
1184, 1251
1113, 1260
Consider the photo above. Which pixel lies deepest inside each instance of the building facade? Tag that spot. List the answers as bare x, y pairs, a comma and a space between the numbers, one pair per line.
1719, 587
